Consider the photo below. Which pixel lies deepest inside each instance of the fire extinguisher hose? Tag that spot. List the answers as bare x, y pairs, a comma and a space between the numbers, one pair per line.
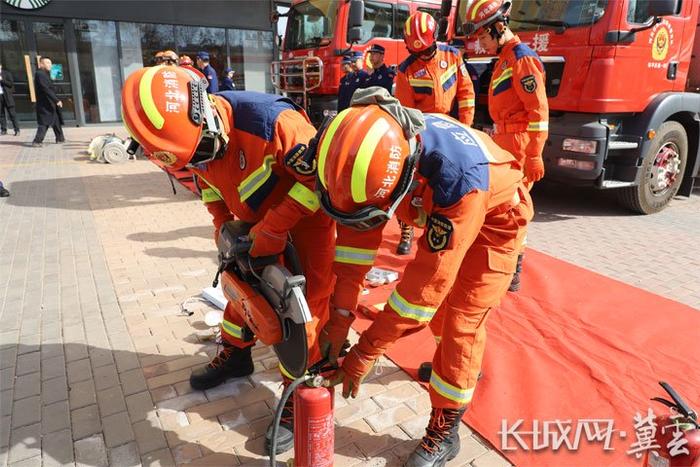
278, 416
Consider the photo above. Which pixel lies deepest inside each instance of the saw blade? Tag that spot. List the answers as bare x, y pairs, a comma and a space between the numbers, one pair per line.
293, 311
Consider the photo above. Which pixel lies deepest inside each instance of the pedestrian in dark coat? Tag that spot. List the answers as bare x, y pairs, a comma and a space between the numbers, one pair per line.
227, 83
47, 104
7, 101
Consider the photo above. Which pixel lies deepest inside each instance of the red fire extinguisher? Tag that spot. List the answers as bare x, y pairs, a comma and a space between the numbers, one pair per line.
313, 427
676, 450
313, 420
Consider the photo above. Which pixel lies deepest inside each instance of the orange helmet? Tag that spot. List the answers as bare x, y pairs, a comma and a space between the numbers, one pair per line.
185, 60
484, 13
362, 180
419, 32
167, 110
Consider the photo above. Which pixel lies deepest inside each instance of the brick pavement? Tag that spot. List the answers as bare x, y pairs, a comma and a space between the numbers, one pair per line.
95, 355
658, 253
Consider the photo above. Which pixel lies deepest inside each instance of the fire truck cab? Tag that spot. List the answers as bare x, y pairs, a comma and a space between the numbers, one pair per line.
623, 81
319, 33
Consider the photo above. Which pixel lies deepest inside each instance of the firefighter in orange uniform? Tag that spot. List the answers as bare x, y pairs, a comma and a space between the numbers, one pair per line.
468, 195
517, 96
432, 79
248, 151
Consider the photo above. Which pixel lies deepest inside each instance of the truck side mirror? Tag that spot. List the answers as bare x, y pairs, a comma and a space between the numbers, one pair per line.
357, 14
663, 7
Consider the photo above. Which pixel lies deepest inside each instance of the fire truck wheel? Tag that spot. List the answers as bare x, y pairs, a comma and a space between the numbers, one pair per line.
662, 171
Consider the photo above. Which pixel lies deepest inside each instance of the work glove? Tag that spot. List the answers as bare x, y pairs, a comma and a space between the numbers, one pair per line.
534, 169
355, 369
266, 243
333, 335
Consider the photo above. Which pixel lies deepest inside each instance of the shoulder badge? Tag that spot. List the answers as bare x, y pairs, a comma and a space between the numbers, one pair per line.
420, 73
529, 83
439, 232
300, 160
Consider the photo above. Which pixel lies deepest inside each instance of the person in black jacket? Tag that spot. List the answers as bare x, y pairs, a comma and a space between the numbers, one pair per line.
7, 101
48, 104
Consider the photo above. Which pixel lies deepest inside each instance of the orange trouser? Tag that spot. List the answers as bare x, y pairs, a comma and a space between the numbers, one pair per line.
314, 240
459, 325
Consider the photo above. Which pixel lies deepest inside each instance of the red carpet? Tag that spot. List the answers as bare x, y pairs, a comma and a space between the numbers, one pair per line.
571, 345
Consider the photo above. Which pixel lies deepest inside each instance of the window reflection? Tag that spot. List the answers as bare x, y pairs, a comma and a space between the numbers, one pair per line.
98, 62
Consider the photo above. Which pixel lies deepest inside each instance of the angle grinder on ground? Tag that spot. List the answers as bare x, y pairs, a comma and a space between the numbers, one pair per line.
269, 297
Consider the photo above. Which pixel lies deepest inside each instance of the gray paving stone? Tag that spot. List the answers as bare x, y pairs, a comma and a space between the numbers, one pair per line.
54, 390
8, 355
132, 381
4, 432
91, 452
81, 394
26, 411
106, 377
111, 400
5, 402
53, 367
139, 405
55, 417
25, 442
27, 385
85, 422
28, 363
57, 449
117, 429
79, 370
7, 378
125, 456
31, 462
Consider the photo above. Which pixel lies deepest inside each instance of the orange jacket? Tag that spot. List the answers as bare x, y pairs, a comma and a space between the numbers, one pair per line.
465, 181
441, 85
262, 176
518, 99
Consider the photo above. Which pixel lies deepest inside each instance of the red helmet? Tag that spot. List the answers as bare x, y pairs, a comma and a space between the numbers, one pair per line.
419, 32
363, 179
483, 13
167, 110
185, 60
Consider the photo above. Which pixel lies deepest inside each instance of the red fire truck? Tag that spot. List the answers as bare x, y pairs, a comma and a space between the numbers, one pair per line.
623, 81
319, 32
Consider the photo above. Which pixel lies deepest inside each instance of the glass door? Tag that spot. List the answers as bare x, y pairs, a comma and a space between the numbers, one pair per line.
49, 41
15, 58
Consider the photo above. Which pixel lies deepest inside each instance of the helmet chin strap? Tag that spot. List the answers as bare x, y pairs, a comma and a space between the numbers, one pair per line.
214, 140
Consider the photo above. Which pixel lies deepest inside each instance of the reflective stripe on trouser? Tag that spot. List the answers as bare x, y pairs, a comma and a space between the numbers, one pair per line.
313, 238
461, 319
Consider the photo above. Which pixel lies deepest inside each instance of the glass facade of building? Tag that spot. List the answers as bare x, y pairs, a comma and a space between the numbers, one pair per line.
92, 58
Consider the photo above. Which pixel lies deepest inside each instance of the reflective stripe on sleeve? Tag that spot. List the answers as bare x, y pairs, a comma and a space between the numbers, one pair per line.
307, 198
538, 126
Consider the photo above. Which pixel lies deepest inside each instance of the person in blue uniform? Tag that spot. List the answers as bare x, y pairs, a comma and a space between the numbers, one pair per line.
209, 72
355, 78
382, 75
227, 83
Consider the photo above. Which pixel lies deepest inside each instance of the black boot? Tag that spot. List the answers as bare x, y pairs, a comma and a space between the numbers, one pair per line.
285, 433
441, 441
515, 282
230, 362
404, 247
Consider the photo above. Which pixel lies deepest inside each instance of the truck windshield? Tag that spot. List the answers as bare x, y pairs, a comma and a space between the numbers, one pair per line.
529, 15
309, 22
553, 14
